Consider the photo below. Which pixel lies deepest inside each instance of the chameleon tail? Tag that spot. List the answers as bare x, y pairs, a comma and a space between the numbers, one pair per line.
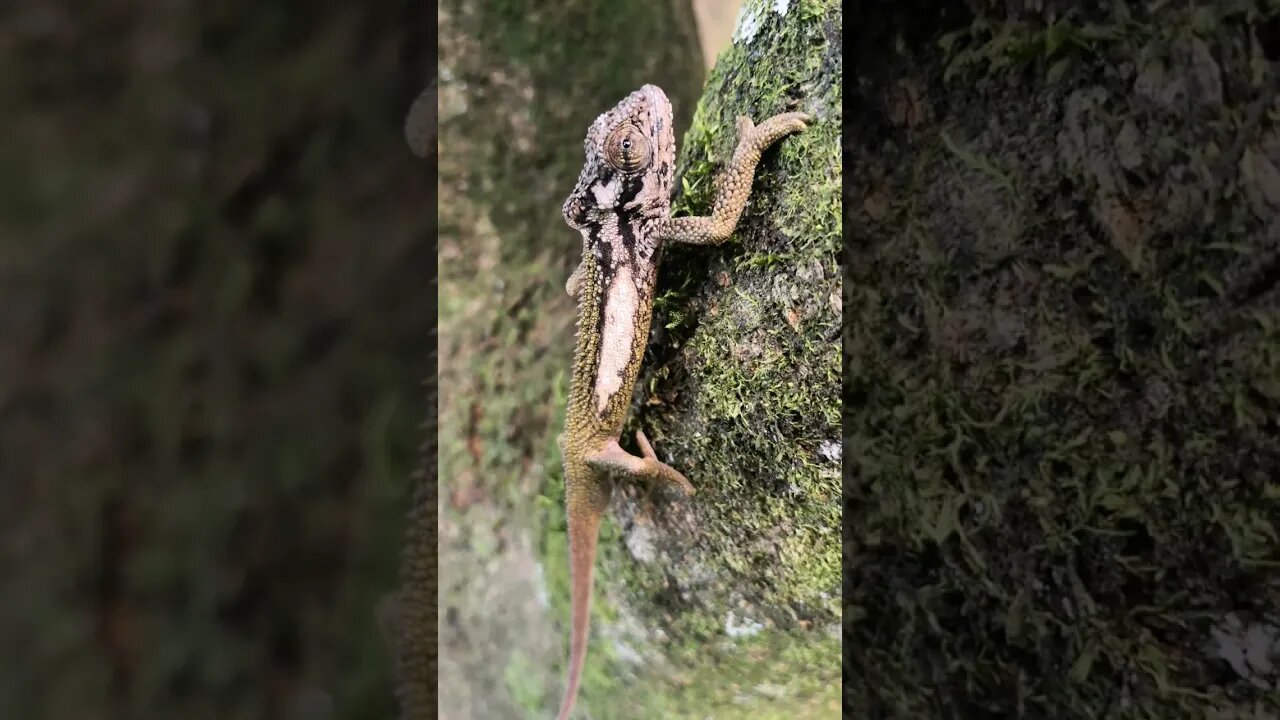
584, 529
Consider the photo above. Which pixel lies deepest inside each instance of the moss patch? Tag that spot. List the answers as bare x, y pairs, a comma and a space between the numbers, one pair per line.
1059, 397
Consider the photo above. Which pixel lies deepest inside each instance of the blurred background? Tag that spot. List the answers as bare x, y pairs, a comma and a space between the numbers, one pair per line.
215, 304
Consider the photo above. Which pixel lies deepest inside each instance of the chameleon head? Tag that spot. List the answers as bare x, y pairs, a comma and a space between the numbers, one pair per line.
629, 166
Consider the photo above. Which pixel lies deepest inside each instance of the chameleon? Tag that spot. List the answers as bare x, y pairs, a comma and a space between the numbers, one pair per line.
622, 207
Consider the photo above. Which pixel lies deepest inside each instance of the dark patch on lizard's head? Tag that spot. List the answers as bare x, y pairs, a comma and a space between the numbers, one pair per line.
629, 167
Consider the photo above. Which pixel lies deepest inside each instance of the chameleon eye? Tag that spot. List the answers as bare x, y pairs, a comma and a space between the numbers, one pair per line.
627, 149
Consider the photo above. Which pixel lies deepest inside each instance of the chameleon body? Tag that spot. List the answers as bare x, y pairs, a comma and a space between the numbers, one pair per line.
622, 207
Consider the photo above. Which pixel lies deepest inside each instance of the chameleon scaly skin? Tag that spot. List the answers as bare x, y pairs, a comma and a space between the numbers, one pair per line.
622, 207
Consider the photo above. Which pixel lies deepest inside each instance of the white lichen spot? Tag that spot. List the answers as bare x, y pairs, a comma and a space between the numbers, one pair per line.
1250, 649
640, 543
747, 24
540, 587
631, 641
746, 628
615, 345
771, 690
699, 575
830, 450
626, 653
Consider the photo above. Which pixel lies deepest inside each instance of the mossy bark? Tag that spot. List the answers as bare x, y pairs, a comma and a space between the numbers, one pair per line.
726, 604
1062, 366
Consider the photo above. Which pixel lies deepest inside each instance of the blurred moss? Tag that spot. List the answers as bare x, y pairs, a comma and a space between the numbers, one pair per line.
209, 229
1060, 342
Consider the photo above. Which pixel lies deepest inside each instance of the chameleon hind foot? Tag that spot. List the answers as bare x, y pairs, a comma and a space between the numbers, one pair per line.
649, 468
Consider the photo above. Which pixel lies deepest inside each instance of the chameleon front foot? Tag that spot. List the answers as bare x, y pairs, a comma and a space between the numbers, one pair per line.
613, 459
574, 283
768, 132
733, 186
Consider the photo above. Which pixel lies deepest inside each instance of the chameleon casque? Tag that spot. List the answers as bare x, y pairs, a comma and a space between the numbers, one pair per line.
622, 207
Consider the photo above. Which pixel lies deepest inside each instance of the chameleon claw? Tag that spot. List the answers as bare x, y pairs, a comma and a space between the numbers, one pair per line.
612, 458
659, 469
645, 447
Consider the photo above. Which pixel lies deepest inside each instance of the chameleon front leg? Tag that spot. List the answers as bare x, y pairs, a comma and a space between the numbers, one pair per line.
733, 186
613, 459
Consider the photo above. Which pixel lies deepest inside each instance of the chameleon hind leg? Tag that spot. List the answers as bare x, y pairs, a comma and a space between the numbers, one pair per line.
614, 459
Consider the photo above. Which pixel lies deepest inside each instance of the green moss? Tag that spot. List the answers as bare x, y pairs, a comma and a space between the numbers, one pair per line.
772, 675
1058, 449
